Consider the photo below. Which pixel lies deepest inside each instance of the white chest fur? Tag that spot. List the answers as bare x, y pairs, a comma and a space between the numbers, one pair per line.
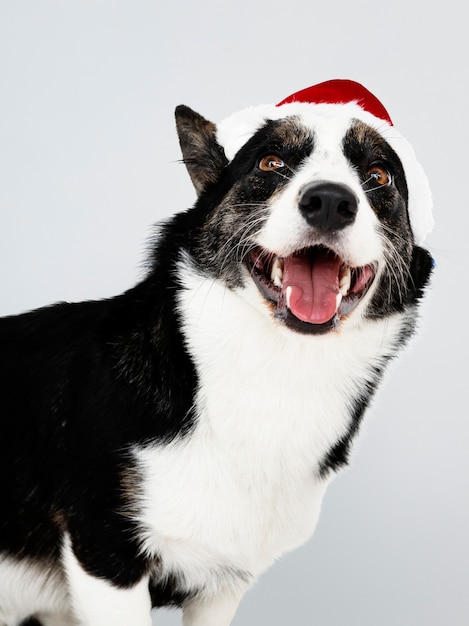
244, 486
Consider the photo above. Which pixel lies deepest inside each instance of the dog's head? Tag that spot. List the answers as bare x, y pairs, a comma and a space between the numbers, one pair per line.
313, 207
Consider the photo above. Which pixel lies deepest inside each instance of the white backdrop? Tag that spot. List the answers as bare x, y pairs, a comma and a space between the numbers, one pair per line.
88, 161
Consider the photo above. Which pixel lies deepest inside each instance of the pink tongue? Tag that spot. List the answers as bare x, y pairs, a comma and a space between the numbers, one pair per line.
313, 281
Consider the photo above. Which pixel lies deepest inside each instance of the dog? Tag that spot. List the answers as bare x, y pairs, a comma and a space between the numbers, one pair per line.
163, 447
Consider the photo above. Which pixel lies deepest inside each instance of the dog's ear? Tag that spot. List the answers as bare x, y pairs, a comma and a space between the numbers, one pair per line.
202, 155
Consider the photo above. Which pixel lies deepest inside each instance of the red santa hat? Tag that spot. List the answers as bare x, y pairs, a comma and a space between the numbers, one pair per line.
346, 98
340, 91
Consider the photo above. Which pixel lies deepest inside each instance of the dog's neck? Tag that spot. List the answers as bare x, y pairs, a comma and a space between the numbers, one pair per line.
288, 391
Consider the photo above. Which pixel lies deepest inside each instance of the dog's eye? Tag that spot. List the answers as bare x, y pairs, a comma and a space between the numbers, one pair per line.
270, 163
379, 174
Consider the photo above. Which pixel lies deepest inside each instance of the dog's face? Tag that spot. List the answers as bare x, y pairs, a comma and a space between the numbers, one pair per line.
309, 219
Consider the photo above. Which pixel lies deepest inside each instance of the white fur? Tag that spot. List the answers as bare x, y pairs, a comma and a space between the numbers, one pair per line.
26, 589
98, 603
213, 611
74, 599
271, 403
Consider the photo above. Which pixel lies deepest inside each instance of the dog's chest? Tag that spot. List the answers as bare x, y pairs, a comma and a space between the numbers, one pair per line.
210, 509
244, 485
238, 491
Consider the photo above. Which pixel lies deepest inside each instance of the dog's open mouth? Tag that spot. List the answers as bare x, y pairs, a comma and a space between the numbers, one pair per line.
312, 289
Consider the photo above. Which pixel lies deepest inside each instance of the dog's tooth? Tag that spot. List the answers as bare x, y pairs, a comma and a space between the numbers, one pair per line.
338, 300
288, 291
345, 281
277, 272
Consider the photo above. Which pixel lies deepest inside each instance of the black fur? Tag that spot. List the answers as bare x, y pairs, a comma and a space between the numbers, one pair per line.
81, 384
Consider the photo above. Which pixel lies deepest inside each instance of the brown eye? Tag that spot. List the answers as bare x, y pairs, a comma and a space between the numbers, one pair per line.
270, 163
379, 174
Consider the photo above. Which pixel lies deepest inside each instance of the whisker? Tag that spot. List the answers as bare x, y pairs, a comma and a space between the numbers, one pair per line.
243, 246
375, 177
367, 180
396, 269
289, 168
240, 242
282, 175
254, 220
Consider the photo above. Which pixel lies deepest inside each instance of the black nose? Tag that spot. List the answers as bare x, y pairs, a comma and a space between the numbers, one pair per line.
328, 206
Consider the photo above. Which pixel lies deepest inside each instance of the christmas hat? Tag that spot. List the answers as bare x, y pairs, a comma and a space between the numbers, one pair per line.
345, 98
340, 91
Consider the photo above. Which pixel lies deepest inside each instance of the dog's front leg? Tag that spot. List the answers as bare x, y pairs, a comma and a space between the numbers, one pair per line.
96, 602
216, 610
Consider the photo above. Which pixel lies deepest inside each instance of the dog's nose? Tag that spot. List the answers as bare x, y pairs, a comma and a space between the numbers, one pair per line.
328, 206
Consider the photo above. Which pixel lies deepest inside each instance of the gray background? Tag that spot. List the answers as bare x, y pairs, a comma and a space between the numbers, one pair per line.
88, 161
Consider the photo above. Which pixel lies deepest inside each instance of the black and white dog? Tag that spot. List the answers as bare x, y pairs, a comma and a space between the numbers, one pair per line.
165, 446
